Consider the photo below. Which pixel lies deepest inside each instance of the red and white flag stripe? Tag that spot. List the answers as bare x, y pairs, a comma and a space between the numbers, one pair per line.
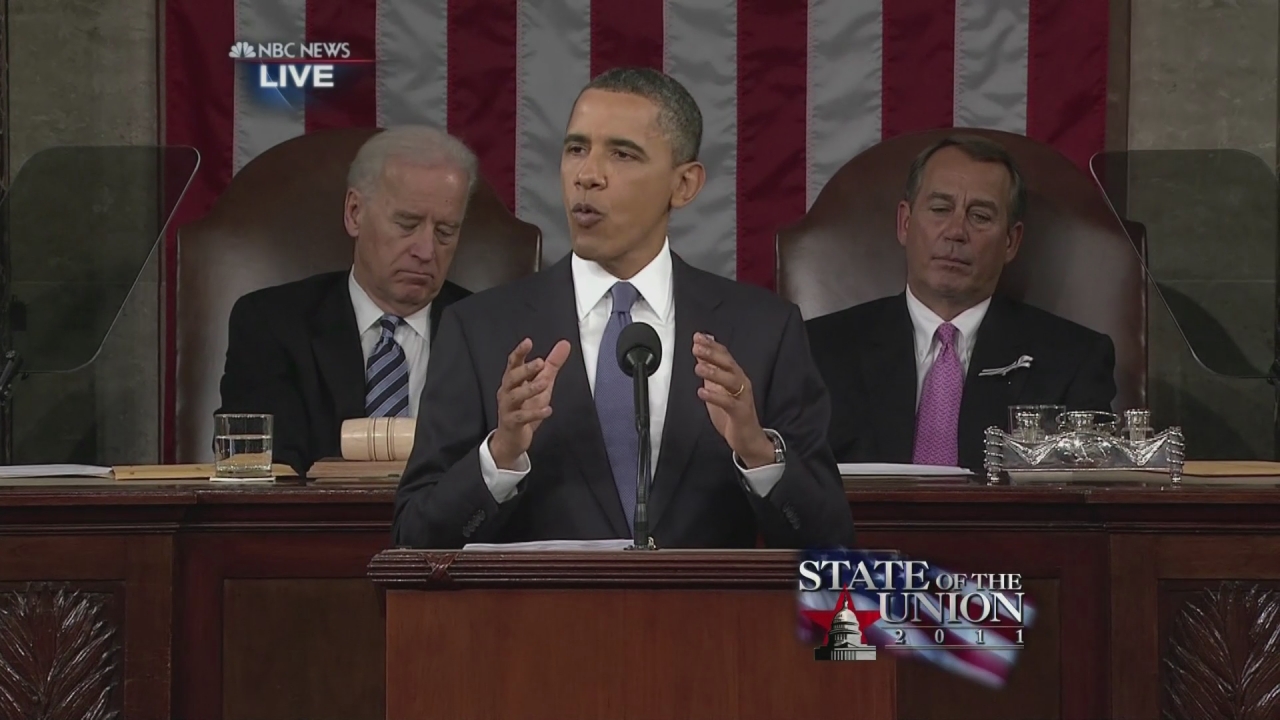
789, 90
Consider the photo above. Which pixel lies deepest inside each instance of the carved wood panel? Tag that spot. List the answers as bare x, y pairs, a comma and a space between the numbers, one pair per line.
60, 653
1222, 656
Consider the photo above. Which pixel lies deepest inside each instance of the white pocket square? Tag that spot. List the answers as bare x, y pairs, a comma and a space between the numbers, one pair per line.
1022, 362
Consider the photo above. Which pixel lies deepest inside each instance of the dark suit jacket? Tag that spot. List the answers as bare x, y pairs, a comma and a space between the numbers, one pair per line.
867, 356
698, 497
293, 351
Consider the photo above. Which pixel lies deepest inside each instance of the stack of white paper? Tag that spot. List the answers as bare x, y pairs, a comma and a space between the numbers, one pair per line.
900, 469
551, 545
49, 471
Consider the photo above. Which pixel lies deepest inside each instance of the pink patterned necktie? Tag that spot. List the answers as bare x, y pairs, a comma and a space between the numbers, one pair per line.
937, 420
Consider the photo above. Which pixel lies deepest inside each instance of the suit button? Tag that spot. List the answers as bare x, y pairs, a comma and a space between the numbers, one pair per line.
472, 524
790, 514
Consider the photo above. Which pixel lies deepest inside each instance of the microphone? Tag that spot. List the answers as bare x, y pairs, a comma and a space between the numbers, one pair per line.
639, 355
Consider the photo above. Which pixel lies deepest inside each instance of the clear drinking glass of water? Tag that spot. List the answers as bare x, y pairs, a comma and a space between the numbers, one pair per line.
242, 446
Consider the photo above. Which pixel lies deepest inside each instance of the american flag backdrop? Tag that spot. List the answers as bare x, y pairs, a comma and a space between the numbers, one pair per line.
789, 89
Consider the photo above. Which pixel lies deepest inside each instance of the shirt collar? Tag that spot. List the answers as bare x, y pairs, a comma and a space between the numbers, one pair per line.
592, 282
926, 323
368, 313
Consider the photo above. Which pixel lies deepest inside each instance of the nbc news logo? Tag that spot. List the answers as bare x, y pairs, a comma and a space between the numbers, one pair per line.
301, 51
243, 49
292, 65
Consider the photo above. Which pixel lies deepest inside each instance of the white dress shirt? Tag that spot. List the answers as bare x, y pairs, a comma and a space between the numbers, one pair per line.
655, 306
411, 334
926, 322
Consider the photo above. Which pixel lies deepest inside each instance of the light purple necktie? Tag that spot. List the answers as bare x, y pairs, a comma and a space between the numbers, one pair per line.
937, 420
616, 401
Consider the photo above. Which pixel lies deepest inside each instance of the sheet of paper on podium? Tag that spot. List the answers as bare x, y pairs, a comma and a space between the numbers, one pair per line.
53, 471
551, 545
900, 470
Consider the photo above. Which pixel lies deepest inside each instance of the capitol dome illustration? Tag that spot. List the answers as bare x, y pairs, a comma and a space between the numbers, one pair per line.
844, 639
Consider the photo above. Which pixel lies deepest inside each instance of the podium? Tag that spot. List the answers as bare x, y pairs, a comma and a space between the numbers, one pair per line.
563, 635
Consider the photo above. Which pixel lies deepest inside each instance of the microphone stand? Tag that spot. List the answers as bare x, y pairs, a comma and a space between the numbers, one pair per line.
644, 475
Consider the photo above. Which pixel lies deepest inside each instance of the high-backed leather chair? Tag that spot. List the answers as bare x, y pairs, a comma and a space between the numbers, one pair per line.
279, 220
1076, 259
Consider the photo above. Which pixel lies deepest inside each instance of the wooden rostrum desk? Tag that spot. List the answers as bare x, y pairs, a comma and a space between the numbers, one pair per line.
191, 600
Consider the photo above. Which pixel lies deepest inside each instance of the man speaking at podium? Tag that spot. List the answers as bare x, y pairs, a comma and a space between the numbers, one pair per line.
529, 429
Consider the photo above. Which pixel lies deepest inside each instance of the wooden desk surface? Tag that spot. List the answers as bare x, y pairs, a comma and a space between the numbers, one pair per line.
1202, 504
71, 490
67, 489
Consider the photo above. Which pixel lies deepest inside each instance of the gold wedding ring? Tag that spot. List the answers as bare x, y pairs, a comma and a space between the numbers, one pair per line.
740, 389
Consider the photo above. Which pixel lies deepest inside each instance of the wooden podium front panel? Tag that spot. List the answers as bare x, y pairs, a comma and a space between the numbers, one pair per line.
634, 653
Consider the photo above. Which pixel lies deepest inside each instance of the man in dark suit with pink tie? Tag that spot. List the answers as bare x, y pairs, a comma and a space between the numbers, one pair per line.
918, 377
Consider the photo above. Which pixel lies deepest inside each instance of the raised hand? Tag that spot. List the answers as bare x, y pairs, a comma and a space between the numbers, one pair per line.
726, 391
524, 400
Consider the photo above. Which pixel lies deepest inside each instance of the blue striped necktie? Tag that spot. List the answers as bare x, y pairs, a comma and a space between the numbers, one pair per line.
387, 374
616, 401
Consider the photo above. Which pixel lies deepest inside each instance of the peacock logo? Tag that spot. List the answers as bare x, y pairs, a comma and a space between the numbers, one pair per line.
242, 49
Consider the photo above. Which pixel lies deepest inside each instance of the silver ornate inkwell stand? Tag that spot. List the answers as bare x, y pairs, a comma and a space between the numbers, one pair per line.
1049, 438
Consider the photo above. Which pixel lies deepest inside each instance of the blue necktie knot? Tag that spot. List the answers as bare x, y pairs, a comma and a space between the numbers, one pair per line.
389, 323
624, 296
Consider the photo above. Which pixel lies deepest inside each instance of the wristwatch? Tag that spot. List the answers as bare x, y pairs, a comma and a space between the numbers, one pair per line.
779, 447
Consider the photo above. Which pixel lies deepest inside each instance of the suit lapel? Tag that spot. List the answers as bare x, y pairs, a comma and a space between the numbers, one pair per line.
687, 423
437, 311
335, 340
890, 376
449, 294
579, 426
999, 343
